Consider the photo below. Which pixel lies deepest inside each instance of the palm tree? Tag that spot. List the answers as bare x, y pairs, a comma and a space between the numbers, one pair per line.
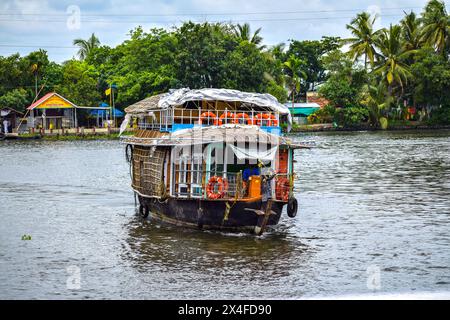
411, 31
436, 26
86, 46
294, 65
242, 32
392, 66
39, 59
376, 101
362, 42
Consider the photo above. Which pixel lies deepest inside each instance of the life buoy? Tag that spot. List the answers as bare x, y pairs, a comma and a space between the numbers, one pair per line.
228, 116
282, 189
273, 120
222, 187
208, 115
261, 117
242, 118
292, 207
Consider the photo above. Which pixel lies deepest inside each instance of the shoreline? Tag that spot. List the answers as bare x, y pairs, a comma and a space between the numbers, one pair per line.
327, 127
302, 129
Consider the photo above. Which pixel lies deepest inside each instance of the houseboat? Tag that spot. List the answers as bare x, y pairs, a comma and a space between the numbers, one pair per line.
211, 159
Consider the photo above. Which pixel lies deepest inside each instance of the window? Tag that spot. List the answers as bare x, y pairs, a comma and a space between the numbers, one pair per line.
197, 174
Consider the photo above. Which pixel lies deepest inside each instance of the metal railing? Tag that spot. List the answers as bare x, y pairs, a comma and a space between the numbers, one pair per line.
236, 188
165, 119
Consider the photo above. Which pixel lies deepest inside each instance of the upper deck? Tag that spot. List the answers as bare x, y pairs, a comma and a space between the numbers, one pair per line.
185, 109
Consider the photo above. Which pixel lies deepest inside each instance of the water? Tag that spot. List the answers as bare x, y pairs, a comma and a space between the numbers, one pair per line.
373, 219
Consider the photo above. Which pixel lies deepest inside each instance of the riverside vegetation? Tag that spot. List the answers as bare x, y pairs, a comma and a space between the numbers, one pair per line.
395, 74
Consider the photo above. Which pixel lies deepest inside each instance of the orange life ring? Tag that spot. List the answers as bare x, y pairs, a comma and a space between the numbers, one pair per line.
260, 117
228, 115
273, 120
242, 116
222, 187
282, 188
208, 115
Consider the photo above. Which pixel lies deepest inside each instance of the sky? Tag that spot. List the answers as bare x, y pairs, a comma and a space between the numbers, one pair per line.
26, 26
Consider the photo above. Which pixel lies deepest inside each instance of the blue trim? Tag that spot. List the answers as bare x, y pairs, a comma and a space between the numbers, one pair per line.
272, 130
180, 126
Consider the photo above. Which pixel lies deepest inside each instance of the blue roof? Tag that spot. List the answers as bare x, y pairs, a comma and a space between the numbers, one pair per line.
103, 113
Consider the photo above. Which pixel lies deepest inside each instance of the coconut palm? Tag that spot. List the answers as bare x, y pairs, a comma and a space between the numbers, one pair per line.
436, 26
86, 46
377, 102
243, 33
294, 66
411, 31
391, 65
363, 41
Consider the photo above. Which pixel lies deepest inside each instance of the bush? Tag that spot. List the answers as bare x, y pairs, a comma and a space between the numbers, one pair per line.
323, 115
440, 116
351, 116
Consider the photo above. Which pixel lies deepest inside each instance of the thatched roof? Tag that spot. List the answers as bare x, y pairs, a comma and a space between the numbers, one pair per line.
146, 105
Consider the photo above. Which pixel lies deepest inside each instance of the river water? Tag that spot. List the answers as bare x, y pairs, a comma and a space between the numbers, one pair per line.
374, 219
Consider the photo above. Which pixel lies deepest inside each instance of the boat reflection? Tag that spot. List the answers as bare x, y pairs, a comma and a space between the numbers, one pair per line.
173, 249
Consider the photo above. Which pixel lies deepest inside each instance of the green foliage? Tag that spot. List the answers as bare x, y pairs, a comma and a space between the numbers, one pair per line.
345, 82
441, 116
79, 83
277, 91
406, 65
431, 76
323, 115
85, 46
351, 116
16, 99
363, 38
312, 70
243, 68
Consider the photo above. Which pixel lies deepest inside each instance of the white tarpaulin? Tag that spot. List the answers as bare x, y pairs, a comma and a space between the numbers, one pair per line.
264, 155
180, 96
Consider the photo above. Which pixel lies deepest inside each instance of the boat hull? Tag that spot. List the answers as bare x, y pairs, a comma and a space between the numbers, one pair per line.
212, 214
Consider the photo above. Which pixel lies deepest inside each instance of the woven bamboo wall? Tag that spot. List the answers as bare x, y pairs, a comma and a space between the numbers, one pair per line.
148, 170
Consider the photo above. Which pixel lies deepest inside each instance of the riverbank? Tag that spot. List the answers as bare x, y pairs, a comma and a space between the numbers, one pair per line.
67, 137
365, 127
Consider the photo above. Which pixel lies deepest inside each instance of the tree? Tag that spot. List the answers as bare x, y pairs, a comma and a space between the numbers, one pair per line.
296, 74
311, 52
376, 101
201, 50
79, 83
436, 26
37, 61
410, 31
431, 74
86, 46
363, 41
16, 99
392, 57
344, 85
243, 33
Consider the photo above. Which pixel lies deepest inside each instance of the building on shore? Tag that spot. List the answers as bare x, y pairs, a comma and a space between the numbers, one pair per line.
52, 111
301, 111
9, 119
314, 97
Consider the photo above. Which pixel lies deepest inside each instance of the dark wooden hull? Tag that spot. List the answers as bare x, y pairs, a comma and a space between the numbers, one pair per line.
211, 214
